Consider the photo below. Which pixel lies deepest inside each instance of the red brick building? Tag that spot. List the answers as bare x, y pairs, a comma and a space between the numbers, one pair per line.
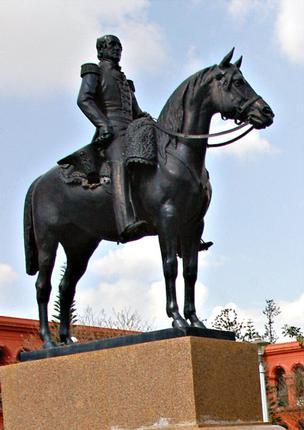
284, 365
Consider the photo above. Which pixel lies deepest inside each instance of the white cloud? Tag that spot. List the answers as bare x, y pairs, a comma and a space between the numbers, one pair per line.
13, 296
193, 61
7, 276
292, 312
132, 276
145, 47
244, 314
290, 30
241, 9
44, 43
238, 8
138, 260
249, 146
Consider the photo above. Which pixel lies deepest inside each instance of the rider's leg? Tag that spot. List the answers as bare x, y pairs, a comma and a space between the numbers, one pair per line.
127, 226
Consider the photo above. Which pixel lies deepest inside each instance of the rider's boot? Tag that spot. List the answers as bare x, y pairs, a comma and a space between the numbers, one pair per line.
129, 228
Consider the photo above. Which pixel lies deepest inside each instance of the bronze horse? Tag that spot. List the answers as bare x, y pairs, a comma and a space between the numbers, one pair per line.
173, 197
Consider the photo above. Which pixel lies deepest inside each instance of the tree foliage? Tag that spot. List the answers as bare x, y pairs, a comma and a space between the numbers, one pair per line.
271, 311
73, 313
250, 333
294, 333
124, 319
228, 319
56, 314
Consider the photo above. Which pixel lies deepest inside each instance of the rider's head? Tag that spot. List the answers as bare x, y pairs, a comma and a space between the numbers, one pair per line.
109, 48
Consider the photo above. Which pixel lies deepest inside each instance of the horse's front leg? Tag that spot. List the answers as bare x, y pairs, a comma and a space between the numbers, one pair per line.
190, 247
168, 246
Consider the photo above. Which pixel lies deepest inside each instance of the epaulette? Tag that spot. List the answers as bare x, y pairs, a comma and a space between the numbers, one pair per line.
89, 68
131, 85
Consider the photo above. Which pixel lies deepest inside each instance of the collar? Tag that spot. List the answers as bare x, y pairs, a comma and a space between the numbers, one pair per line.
108, 64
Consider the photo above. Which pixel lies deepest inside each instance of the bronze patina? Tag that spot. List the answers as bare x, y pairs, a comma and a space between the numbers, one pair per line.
169, 196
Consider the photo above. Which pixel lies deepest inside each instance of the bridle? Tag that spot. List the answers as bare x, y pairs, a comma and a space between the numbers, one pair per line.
240, 111
206, 136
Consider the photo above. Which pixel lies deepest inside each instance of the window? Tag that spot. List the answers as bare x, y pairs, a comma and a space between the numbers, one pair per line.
281, 387
299, 384
301, 424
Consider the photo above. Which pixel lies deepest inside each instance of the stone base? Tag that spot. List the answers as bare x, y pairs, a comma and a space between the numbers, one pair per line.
264, 426
185, 383
134, 339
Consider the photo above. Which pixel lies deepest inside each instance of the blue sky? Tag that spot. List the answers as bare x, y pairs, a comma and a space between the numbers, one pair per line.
256, 215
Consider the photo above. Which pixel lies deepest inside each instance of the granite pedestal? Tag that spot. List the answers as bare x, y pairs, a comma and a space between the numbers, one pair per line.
181, 383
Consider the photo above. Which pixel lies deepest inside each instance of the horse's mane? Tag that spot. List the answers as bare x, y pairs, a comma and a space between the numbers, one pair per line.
172, 114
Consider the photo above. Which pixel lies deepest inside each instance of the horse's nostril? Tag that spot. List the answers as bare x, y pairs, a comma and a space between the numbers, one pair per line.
267, 111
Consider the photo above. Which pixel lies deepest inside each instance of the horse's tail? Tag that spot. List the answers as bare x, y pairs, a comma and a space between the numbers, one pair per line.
30, 247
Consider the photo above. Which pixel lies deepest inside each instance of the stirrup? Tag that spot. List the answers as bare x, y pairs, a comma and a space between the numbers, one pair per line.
204, 246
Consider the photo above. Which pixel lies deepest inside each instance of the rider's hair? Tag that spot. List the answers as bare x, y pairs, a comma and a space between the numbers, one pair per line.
101, 43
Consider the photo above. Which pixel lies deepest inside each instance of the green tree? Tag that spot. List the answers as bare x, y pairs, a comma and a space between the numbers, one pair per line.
228, 320
294, 333
271, 311
124, 319
56, 314
249, 332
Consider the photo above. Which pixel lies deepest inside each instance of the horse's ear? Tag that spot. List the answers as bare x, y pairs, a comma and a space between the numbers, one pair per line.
238, 63
226, 60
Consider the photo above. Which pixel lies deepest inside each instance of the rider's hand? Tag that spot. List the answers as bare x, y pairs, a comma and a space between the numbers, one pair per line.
105, 135
144, 115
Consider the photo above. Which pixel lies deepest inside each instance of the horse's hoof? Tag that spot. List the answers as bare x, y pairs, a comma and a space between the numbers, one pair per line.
180, 323
198, 324
66, 340
49, 344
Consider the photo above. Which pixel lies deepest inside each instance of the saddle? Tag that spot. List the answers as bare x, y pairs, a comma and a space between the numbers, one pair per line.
140, 143
89, 168
86, 167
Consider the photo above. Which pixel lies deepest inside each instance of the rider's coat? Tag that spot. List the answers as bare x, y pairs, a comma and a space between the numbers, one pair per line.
107, 98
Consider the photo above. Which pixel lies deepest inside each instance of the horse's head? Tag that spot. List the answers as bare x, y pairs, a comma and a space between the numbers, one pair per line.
235, 99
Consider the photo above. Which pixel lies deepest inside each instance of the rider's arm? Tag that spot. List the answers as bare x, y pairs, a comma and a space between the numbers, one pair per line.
137, 112
87, 95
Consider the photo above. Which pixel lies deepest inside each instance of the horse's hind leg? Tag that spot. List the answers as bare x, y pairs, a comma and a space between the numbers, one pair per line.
77, 261
46, 260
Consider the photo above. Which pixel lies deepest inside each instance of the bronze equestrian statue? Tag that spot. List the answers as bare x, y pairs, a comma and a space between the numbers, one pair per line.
168, 199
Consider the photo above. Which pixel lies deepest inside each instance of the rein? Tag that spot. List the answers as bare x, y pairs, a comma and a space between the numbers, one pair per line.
206, 136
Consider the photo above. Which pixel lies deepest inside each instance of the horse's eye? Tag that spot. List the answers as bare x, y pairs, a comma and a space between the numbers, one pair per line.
239, 82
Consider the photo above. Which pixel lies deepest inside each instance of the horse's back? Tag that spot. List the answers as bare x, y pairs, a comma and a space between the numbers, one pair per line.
61, 207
